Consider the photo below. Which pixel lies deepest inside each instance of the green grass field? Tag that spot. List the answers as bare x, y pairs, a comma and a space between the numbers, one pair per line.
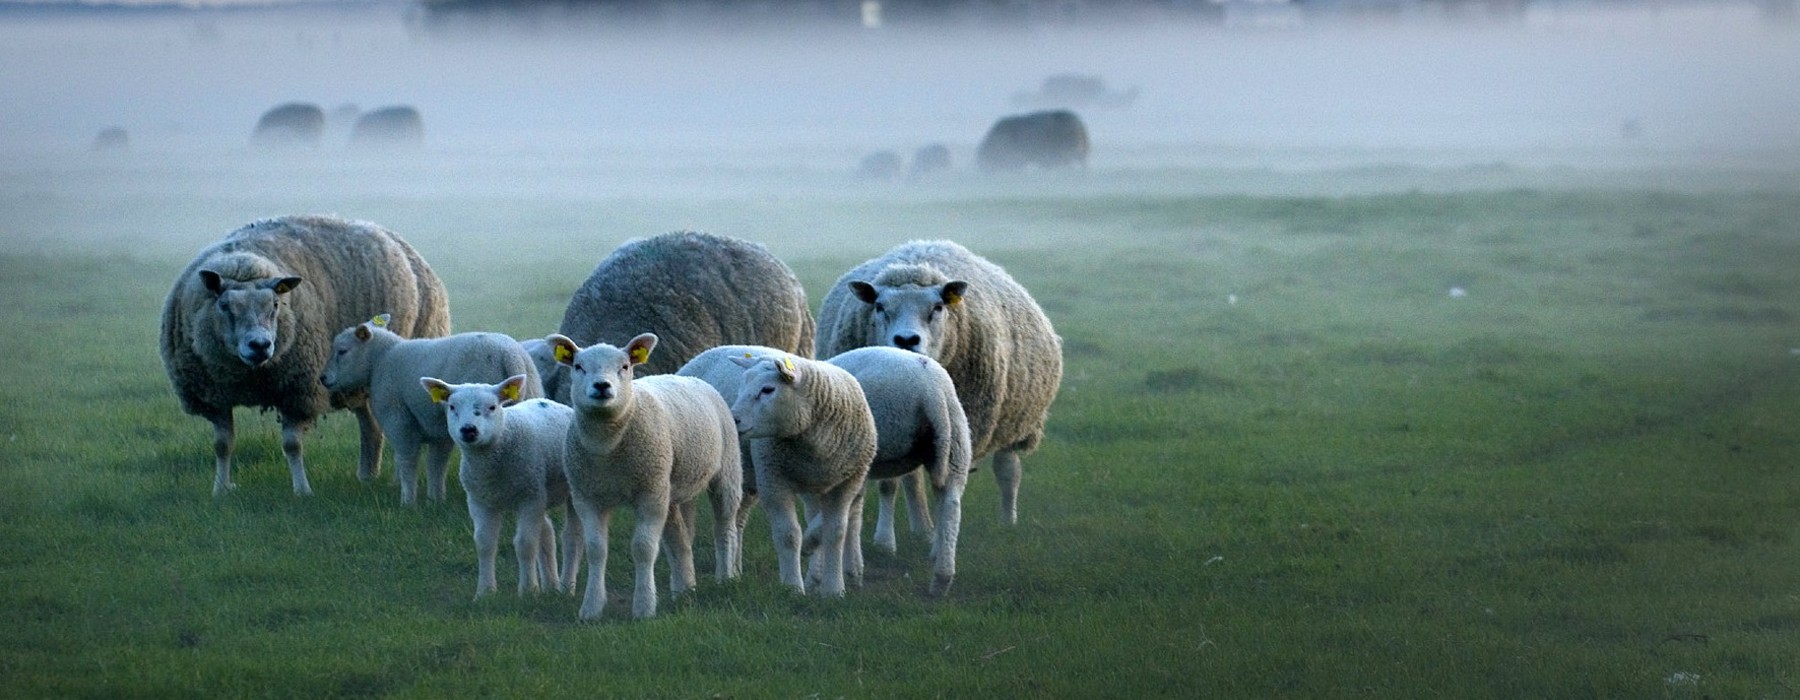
1580, 479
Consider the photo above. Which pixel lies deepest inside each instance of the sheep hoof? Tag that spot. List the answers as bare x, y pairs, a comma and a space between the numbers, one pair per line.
940, 585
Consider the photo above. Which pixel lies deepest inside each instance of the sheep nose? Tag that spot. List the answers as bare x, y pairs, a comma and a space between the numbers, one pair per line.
259, 346
907, 342
469, 432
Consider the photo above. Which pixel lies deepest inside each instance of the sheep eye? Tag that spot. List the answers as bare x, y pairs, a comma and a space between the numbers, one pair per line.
767, 390
579, 368
937, 308
879, 308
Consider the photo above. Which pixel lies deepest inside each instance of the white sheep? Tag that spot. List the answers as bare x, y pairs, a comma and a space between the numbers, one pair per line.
939, 299
919, 423
552, 375
369, 356
652, 444
718, 367
812, 437
512, 461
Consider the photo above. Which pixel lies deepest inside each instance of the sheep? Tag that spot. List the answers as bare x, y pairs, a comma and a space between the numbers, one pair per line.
249, 323
694, 291
938, 299
717, 368
368, 356
512, 460
398, 126
554, 376
290, 124
918, 423
652, 444
1048, 139
812, 436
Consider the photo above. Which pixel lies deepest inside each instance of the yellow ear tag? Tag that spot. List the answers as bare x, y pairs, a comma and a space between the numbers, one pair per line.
564, 354
640, 355
510, 392
789, 361
952, 299
438, 394
380, 321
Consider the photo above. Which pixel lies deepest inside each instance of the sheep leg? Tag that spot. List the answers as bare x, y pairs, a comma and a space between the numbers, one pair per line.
406, 468
572, 546
1006, 474
741, 522
834, 515
784, 529
593, 528
292, 430
852, 549
678, 539
652, 516
943, 542
809, 540
368, 464
728, 552
546, 544
224, 441
437, 464
886, 490
527, 543
487, 545
918, 506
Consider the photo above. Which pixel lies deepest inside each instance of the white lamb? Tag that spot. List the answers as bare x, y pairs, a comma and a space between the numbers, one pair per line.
812, 437
652, 444
369, 356
920, 423
512, 460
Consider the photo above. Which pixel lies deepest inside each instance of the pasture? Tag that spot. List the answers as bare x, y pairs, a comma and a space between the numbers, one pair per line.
1286, 460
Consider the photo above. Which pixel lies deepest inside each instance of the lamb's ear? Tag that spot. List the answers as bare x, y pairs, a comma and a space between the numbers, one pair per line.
562, 348
284, 285
746, 362
954, 291
213, 282
363, 332
864, 291
639, 348
789, 373
381, 320
439, 391
509, 389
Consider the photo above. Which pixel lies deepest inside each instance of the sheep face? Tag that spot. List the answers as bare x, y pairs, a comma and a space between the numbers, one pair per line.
770, 404
350, 368
248, 315
474, 413
910, 317
600, 375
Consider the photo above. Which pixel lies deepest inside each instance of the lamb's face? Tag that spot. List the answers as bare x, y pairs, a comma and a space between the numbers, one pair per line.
769, 404
600, 379
910, 317
475, 414
248, 315
349, 366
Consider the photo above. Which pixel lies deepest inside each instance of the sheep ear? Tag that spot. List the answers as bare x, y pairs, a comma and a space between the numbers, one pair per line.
284, 285
789, 373
381, 320
639, 348
363, 332
213, 282
562, 348
746, 362
439, 391
509, 389
864, 291
953, 292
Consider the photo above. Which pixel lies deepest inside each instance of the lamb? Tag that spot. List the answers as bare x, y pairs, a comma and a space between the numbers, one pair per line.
694, 291
512, 460
652, 444
369, 356
812, 436
554, 376
717, 368
918, 423
249, 323
938, 299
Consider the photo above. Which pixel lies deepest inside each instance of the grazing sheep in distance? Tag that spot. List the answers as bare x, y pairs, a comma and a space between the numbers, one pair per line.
512, 460
369, 357
291, 124
249, 323
389, 127
651, 444
694, 291
938, 299
929, 160
1049, 139
812, 436
919, 423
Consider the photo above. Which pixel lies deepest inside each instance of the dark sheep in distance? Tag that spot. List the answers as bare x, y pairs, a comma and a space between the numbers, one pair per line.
291, 124
1049, 139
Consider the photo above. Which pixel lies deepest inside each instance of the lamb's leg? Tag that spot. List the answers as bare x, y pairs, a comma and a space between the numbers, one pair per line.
943, 543
678, 539
572, 546
728, 552
437, 464
809, 540
1006, 474
527, 540
487, 545
224, 440
368, 464
834, 511
593, 528
406, 467
546, 544
918, 507
784, 529
742, 521
291, 432
852, 550
652, 516
886, 490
